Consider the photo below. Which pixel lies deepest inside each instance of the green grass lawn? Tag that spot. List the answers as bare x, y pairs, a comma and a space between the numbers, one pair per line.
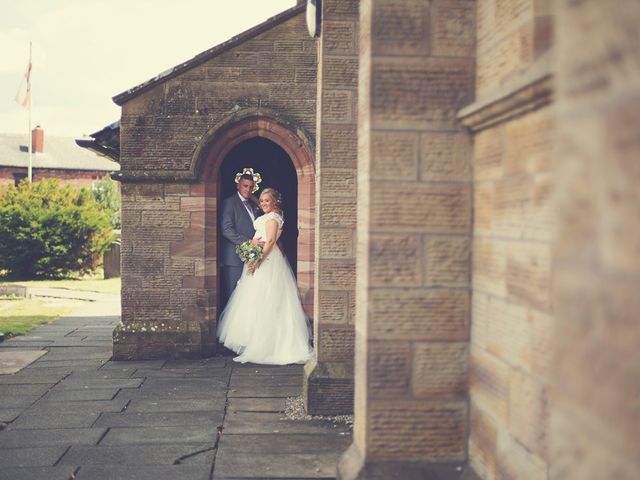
112, 285
18, 316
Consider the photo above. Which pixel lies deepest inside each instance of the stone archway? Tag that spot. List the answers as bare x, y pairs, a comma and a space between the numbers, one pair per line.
222, 139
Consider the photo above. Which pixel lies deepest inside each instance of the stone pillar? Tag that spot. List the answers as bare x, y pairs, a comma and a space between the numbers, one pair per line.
328, 386
413, 250
595, 414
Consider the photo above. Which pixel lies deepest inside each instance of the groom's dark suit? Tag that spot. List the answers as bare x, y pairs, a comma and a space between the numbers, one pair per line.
237, 227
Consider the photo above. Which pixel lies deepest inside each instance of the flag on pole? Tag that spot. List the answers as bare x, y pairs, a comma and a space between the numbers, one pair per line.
23, 96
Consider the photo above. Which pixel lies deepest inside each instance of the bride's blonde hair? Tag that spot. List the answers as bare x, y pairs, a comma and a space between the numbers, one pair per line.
275, 195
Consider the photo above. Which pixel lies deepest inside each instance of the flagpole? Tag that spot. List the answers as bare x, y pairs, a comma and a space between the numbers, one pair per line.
30, 170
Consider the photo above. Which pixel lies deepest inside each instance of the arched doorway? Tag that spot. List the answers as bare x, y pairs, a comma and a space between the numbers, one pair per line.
277, 171
272, 142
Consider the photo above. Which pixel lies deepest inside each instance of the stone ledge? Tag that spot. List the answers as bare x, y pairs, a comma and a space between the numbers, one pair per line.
527, 93
187, 341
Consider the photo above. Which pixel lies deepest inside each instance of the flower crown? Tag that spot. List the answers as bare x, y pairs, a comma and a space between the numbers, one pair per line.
257, 178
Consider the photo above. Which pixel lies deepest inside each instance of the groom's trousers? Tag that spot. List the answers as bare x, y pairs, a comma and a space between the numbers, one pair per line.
230, 276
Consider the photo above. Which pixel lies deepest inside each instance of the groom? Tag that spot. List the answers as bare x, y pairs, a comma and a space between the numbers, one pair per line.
238, 213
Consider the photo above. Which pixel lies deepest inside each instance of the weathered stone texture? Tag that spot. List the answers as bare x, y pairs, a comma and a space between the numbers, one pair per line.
389, 368
447, 261
394, 155
440, 369
418, 314
431, 208
445, 156
394, 435
422, 93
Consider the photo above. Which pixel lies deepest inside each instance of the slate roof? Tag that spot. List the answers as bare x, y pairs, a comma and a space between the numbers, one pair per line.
59, 153
127, 95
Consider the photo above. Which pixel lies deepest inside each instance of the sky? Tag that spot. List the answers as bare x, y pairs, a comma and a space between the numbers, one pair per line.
87, 51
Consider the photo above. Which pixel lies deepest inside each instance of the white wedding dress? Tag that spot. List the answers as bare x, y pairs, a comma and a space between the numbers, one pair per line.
264, 321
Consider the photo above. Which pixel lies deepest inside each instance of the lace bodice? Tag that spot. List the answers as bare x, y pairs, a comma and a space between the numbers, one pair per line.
260, 224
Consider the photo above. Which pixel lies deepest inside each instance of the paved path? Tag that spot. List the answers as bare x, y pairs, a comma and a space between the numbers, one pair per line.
75, 412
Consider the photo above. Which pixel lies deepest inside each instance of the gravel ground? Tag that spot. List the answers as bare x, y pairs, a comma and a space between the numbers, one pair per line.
294, 410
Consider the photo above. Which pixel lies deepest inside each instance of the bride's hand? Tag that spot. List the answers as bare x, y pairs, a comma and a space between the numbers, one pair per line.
257, 241
252, 266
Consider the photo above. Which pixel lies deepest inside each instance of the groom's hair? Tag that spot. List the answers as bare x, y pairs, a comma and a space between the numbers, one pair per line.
247, 176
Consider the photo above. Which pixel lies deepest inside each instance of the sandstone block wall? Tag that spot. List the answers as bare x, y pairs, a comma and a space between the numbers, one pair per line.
169, 267
329, 377
595, 419
414, 232
513, 184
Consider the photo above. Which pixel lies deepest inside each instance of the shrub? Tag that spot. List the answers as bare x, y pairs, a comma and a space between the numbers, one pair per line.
50, 231
106, 193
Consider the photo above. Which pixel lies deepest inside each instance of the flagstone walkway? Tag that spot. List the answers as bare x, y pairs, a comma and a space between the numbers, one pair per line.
74, 413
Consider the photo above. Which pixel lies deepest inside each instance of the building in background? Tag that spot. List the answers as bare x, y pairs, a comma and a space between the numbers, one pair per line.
53, 157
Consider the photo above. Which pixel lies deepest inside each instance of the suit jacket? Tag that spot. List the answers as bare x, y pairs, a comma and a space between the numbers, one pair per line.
237, 227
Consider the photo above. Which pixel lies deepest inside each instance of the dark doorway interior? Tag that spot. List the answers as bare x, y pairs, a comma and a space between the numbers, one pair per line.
277, 171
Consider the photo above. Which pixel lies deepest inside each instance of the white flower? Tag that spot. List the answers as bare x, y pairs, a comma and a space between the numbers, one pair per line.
143, 329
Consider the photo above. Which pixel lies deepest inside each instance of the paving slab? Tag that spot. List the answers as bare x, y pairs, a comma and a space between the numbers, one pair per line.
266, 422
16, 390
167, 419
31, 457
13, 361
200, 434
137, 455
87, 394
60, 420
73, 364
133, 364
285, 442
18, 401
10, 414
173, 394
265, 391
132, 472
84, 383
247, 465
276, 405
186, 405
215, 372
50, 437
259, 370
32, 377
87, 406
77, 353
37, 473
241, 381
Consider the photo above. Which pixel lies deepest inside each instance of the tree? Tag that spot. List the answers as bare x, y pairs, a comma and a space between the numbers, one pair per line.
50, 231
106, 193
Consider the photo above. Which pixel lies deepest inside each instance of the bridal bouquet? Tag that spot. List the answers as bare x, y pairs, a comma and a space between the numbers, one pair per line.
249, 253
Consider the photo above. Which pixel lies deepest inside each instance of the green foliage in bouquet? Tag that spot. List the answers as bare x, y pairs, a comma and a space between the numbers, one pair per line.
249, 253
50, 231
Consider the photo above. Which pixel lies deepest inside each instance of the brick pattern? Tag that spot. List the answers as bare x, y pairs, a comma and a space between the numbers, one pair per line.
511, 36
595, 412
414, 231
336, 163
511, 307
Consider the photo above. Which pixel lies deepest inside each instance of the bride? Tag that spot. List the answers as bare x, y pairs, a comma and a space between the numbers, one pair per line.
264, 321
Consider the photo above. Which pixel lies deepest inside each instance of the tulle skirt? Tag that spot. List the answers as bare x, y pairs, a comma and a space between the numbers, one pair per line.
264, 321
